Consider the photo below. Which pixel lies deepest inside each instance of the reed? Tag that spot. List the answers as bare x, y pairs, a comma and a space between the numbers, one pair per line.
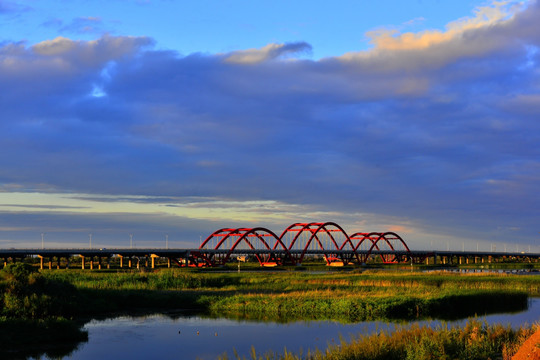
474, 341
297, 295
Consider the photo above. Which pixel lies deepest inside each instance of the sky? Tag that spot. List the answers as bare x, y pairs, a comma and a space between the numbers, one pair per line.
171, 119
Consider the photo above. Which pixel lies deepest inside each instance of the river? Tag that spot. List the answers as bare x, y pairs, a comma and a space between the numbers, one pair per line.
196, 337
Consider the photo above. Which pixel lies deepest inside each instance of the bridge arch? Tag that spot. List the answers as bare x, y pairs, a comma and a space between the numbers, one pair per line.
230, 240
392, 245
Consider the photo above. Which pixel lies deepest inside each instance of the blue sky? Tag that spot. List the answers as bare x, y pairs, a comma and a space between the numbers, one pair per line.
161, 117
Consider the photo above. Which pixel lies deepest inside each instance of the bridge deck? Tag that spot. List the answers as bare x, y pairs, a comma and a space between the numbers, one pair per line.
182, 253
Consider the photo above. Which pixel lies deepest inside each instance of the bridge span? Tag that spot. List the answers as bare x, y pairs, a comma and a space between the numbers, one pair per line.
327, 242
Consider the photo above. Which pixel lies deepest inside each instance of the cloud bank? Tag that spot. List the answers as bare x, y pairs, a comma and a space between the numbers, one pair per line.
437, 130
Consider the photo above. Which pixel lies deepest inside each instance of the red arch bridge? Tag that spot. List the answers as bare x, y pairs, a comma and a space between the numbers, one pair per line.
326, 240
297, 242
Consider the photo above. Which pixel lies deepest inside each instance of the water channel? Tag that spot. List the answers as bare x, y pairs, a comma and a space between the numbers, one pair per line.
196, 337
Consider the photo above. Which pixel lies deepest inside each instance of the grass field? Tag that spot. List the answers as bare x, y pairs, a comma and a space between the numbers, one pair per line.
296, 295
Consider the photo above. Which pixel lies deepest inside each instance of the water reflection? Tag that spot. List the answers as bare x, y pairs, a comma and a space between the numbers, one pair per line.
192, 337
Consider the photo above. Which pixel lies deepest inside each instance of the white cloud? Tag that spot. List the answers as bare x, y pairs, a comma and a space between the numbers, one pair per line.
489, 30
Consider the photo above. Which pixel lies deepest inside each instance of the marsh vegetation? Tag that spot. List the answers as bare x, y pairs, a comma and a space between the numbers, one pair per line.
32, 300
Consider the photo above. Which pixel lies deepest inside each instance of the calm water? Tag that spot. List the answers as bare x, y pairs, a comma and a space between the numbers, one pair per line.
193, 337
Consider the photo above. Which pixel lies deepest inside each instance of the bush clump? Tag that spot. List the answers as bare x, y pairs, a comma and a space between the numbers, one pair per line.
26, 294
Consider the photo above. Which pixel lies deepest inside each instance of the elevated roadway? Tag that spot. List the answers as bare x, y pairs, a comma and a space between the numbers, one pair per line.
130, 257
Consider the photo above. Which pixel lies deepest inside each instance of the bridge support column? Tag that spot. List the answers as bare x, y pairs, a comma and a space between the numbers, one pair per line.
168, 262
99, 263
108, 263
121, 261
444, 260
153, 257
460, 260
50, 264
129, 263
82, 261
92, 263
40, 262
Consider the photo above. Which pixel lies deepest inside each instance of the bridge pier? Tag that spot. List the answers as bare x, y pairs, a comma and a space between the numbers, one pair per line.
153, 257
121, 261
168, 262
129, 263
82, 261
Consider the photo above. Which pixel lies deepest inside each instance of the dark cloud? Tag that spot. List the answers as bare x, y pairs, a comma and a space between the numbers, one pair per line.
269, 52
50, 207
80, 25
445, 134
71, 229
10, 7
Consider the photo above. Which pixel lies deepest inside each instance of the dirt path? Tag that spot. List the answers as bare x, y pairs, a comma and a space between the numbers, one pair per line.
530, 350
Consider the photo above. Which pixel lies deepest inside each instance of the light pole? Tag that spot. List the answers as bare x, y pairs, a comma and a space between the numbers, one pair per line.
43, 240
131, 241
90, 236
166, 241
